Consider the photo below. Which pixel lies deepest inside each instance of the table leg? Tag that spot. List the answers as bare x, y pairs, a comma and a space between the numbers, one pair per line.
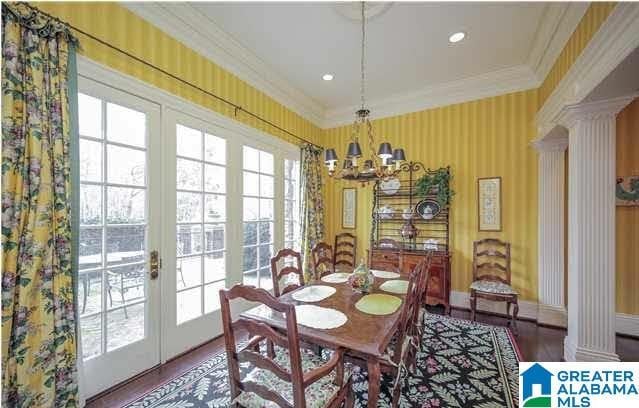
374, 373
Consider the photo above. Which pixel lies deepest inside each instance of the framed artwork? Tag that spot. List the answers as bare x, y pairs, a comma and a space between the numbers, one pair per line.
489, 203
349, 207
627, 191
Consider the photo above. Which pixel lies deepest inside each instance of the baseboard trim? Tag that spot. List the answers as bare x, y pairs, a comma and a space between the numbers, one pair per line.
545, 315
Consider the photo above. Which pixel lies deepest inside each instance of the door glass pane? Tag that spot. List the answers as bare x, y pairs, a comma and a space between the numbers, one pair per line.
189, 304
113, 229
291, 203
90, 115
125, 166
126, 205
125, 125
258, 216
189, 142
125, 326
90, 204
215, 149
90, 160
189, 175
201, 216
189, 272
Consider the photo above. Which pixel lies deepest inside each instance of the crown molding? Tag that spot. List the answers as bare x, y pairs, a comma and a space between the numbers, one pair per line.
189, 26
494, 83
557, 25
617, 37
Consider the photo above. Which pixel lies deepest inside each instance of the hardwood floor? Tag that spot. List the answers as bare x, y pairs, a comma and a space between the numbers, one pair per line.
537, 343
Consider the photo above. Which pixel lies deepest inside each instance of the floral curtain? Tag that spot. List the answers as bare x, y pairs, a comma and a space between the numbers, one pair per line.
38, 313
312, 204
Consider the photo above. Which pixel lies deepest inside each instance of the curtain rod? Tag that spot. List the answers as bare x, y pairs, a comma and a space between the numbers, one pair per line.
163, 71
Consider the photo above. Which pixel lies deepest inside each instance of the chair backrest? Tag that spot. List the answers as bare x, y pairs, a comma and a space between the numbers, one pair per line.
322, 256
491, 260
423, 271
345, 250
294, 267
261, 331
406, 317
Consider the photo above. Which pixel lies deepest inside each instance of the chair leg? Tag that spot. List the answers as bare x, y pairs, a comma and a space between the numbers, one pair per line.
508, 308
514, 317
473, 305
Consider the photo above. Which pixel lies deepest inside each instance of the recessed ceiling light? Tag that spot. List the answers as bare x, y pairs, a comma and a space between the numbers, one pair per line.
327, 77
457, 37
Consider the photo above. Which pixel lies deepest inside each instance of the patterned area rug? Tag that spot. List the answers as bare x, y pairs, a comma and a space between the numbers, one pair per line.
462, 364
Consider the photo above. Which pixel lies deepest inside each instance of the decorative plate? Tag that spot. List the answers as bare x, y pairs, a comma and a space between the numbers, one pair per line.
390, 186
385, 212
427, 208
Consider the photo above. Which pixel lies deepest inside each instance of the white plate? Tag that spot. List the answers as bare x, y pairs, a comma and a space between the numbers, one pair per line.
313, 293
390, 186
384, 274
338, 277
319, 317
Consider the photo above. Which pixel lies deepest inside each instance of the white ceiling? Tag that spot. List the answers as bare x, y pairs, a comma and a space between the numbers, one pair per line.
285, 48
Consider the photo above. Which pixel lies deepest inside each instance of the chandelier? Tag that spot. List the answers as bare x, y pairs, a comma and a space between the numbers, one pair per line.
385, 164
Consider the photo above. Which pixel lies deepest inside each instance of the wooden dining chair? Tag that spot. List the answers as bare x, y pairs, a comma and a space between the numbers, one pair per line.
395, 360
491, 276
416, 326
294, 377
322, 256
345, 250
285, 263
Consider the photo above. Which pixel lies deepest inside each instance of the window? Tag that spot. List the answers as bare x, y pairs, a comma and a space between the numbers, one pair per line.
201, 222
113, 225
292, 204
258, 203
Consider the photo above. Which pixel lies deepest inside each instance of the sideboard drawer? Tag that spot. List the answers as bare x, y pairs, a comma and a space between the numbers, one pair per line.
384, 260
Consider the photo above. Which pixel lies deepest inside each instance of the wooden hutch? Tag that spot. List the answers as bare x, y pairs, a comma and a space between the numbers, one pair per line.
390, 249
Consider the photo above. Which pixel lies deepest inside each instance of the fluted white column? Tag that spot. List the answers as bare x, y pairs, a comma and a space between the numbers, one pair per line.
591, 231
552, 309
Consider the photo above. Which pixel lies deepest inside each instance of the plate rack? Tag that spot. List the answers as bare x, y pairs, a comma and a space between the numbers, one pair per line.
389, 225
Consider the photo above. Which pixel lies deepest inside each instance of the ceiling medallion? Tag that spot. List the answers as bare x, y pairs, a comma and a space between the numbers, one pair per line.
386, 163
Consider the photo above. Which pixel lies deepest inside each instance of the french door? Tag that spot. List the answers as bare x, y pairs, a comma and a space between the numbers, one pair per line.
176, 204
198, 182
118, 297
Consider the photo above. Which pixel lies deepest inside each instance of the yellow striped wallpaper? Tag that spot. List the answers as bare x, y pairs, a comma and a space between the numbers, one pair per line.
488, 137
587, 27
627, 218
116, 25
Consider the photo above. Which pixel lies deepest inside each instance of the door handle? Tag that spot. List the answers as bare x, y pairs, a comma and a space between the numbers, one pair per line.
155, 264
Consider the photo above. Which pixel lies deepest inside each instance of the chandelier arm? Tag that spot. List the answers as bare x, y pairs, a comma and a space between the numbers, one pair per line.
363, 60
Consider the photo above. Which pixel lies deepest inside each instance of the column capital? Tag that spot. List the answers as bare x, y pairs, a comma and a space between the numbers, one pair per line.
550, 144
589, 111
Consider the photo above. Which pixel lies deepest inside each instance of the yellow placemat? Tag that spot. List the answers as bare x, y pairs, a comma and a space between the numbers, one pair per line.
395, 286
378, 304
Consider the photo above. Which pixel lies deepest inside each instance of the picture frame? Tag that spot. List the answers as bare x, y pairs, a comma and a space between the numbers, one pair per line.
349, 208
489, 203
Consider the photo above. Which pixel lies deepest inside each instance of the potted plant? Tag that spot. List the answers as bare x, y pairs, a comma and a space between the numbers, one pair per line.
436, 182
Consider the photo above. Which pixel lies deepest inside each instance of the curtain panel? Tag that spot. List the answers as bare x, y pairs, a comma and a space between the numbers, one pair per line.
38, 313
312, 204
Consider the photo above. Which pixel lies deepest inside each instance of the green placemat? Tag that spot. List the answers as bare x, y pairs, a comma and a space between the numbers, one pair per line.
378, 304
395, 286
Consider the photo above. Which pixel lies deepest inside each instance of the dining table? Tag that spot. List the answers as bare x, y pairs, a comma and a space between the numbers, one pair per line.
364, 335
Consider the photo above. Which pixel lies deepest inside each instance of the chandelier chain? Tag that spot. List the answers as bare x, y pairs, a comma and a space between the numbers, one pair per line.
363, 78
